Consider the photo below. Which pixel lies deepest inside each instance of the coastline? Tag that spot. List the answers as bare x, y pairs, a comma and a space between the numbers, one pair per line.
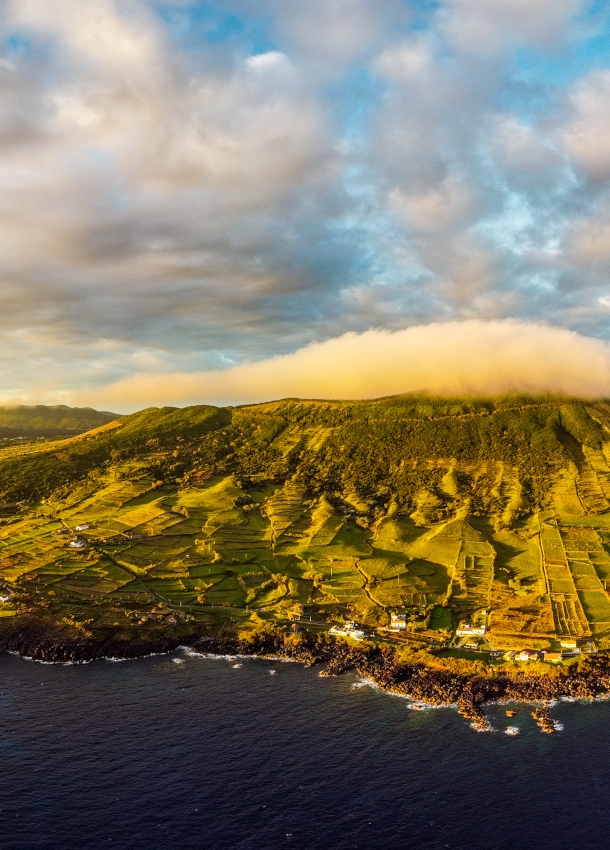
378, 664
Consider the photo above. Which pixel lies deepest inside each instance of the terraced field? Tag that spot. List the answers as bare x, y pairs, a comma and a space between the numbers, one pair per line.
322, 510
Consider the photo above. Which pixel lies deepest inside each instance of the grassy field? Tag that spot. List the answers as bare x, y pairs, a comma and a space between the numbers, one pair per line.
222, 517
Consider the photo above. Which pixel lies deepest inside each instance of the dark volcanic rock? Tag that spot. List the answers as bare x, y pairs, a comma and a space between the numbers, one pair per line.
45, 640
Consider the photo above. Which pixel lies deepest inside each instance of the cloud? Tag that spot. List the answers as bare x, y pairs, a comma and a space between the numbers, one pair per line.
435, 209
451, 358
201, 184
587, 135
485, 25
336, 31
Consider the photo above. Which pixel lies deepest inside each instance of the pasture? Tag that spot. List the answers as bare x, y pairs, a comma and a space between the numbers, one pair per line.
231, 547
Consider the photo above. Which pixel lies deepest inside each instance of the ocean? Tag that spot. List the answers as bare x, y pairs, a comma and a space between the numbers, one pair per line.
180, 751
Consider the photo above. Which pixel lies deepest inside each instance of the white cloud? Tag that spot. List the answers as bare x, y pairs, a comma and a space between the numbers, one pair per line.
409, 61
166, 192
133, 173
435, 209
484, 26
336, 31
270, 61
587, 135
523, 151
448, 358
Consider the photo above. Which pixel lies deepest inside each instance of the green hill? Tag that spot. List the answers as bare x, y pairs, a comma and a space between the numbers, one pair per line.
56, 421
445, 510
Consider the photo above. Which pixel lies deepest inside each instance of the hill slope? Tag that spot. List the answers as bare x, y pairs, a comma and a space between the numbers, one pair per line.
43, 421
495, 510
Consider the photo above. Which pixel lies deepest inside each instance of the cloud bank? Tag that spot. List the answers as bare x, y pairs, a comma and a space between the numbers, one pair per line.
190, 185
451, 358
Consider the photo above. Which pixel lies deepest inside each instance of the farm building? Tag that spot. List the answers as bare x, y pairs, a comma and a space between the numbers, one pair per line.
398, 621
469, 629
526, 655
349, 630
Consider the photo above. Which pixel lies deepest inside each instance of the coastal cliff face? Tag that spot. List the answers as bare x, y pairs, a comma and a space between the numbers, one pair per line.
43, 641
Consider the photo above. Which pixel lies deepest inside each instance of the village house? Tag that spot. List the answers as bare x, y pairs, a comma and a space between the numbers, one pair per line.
526, 655
552, 657
349, 630
397, 621
81, 527
78, 542
469, 629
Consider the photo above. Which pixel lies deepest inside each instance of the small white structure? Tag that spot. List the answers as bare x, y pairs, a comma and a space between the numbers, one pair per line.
77, 543
469, 629
81, 527
568, 643
526, 655
350, 630
398, 622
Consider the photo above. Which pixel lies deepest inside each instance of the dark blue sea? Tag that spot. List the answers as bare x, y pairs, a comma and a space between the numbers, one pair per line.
185, 752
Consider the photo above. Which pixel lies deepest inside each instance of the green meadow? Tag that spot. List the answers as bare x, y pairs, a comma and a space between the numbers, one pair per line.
444, 510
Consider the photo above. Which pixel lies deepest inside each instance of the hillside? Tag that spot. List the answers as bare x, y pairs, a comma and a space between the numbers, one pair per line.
494, 511
43, 421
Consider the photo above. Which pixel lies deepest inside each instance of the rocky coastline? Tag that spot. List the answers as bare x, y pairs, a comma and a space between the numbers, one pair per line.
44, 641
377, 663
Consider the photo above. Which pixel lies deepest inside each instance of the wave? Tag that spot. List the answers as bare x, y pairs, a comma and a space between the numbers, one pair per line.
49, 663
412, 704
213, 656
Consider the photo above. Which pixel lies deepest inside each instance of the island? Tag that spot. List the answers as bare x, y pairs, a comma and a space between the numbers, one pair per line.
451, 550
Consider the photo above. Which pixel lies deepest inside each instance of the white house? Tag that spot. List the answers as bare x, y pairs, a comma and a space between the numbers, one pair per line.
81, 527
526, 655
78, 543
469, 629
398, 621
349, 630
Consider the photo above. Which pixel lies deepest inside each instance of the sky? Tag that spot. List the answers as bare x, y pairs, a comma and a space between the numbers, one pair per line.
242, 200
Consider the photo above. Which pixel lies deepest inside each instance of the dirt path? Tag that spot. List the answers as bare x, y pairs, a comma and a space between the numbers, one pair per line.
365, 586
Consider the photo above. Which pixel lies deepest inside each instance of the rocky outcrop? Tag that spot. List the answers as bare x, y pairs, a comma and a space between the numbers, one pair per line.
46, 641
42, 640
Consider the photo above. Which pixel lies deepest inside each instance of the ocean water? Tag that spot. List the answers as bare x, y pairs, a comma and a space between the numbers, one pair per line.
185, 752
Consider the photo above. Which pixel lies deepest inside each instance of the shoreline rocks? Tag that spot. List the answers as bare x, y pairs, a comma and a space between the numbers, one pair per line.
422, 683
542, 716
41, 641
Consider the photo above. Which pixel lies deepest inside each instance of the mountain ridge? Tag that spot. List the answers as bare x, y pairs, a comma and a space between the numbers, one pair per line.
40, 420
